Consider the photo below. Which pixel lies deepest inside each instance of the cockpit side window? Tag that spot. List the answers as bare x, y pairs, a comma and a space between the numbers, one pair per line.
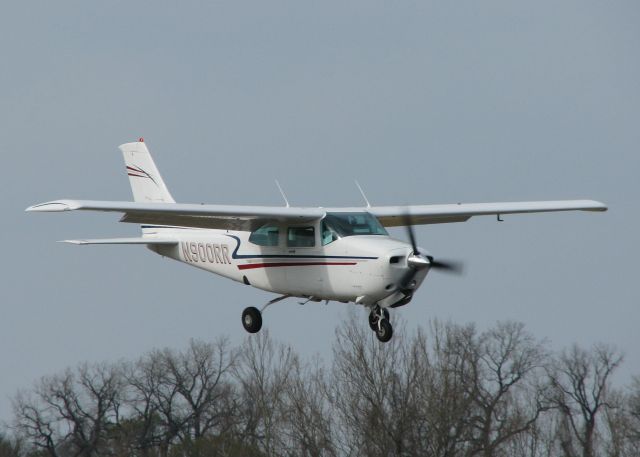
328, 234
302, 237
267, 235
348, 224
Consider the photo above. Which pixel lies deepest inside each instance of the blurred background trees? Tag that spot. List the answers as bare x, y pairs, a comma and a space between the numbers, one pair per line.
445, 391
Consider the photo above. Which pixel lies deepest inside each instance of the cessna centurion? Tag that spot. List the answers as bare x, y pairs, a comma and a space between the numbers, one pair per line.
341, 254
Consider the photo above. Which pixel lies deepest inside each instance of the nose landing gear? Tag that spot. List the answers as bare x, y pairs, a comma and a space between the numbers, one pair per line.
379, 323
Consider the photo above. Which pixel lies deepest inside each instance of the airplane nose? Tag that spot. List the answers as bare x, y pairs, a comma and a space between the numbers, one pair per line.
407, 268
417, 261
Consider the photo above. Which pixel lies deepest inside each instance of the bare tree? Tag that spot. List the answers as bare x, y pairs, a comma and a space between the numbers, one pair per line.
73, 411
373, 393
537, 441
145, 429
633, 412
200, 376
445, 366
448, 392
11, 446
264, 372
308, 413
180, 396
618, 435
580, 382
507, 392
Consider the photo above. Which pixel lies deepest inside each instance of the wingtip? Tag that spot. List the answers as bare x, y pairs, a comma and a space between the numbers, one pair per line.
598, 206
47, 207
53, 206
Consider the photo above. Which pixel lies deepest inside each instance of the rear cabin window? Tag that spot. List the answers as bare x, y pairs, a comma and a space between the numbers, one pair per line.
301, 237
267, 235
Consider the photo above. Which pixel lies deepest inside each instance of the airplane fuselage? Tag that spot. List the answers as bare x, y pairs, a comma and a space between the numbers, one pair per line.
365, 269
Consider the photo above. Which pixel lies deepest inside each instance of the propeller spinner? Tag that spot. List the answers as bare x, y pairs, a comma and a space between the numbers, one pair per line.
419, 261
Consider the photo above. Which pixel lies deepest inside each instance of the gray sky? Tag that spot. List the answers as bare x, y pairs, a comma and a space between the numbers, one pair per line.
423, 102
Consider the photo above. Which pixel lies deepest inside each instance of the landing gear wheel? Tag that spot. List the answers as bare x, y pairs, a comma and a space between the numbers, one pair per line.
374, 316
251, 319
384, 332
373, 321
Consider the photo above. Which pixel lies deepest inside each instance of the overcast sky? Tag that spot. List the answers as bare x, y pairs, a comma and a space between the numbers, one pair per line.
423, 102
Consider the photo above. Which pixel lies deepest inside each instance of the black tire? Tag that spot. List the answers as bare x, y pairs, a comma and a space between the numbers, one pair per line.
373, 321
252, 319
385, 331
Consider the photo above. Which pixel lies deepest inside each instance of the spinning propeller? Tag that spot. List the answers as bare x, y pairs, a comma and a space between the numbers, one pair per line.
418, 261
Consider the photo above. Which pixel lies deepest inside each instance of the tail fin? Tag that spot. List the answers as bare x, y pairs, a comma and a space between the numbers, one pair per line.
146, 183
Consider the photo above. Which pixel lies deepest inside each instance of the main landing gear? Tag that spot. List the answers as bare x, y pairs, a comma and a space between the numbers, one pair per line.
378, 319
252, 316
379, 323
252, 319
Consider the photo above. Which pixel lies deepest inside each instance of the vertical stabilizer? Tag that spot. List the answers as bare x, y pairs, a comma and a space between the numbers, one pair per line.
146, 183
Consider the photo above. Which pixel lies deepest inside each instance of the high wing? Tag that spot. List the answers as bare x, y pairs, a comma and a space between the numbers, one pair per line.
187, 214
250, 217
391, 216
146, 241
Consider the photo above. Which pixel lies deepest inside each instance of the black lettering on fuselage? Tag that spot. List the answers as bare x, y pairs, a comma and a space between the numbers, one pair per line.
205, 252
203, 258
210, 256
185, 252
225, 253
194, 251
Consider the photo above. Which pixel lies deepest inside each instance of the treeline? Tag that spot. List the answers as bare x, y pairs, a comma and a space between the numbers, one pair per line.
447, 391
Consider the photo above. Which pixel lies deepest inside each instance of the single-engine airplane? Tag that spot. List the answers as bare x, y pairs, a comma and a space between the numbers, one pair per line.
316, 254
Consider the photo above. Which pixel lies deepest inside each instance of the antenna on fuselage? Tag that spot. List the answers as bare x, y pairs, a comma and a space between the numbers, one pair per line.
283, 194
362, 192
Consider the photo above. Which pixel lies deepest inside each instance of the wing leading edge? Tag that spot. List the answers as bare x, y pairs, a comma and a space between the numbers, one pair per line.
248, 217
230, 217
145, 241
391, 216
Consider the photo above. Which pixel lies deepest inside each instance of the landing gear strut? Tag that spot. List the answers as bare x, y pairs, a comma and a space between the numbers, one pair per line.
379, 323
252, 317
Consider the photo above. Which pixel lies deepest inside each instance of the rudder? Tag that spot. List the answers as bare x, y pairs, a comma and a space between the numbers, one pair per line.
146, 182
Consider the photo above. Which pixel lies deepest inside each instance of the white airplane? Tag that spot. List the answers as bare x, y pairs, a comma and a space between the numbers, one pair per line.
332, 254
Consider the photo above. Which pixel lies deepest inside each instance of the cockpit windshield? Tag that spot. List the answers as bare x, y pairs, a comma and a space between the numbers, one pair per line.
338, 225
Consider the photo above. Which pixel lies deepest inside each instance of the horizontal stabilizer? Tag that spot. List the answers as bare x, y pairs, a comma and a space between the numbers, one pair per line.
155, 241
